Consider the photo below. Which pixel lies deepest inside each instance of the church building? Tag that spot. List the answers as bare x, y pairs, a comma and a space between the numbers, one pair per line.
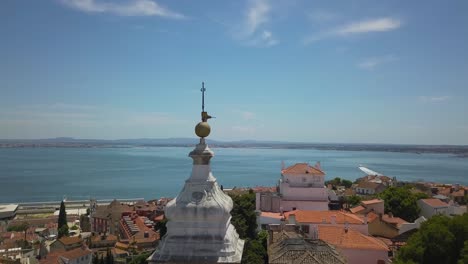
300, 187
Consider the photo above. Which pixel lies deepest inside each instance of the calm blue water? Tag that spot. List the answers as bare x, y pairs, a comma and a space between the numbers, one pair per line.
44, 174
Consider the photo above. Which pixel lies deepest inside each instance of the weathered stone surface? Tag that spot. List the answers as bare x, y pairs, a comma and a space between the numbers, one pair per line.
199, 228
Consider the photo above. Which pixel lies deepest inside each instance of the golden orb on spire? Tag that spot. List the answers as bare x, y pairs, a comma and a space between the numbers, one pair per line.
202, 129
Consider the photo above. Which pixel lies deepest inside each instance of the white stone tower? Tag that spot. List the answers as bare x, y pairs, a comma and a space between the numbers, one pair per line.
199, 229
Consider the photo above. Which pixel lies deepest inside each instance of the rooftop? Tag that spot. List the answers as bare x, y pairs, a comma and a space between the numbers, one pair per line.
434, 202
357, 209
373, 201
338, 236
6, 208
324, 217
70, 240
290, 247
301, 169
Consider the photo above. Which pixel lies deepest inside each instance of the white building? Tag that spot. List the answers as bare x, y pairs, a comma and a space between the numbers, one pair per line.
301, 187
8, 211
431, 207
199, 229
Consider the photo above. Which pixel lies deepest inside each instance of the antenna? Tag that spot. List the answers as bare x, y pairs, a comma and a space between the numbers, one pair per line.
203, 96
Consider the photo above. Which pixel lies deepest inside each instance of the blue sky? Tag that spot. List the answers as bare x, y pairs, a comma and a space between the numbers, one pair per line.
293, 70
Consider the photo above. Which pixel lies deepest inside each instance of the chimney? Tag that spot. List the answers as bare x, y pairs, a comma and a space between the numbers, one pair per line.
333, 219
346, 227
292, 219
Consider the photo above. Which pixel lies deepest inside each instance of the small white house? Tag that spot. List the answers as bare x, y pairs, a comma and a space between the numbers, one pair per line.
431, 207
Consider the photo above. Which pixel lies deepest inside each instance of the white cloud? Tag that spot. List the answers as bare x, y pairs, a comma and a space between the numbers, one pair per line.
257, 15
433, 99
124, 8
265, 39
253, 31
371, 63
374, 25
356, 28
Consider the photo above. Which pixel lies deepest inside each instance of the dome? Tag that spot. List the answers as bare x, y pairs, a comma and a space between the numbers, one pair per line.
202, 129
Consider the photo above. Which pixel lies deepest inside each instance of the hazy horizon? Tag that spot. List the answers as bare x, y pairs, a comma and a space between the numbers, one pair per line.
386, 72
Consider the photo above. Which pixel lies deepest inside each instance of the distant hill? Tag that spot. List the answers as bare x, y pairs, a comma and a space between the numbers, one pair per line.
460, 151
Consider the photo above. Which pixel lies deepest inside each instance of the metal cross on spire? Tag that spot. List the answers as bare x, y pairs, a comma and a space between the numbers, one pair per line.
203, 96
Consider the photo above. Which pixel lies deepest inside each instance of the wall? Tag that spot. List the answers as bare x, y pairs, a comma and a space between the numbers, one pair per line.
364, 256
304, 193
428, 211
380, 228
304, 205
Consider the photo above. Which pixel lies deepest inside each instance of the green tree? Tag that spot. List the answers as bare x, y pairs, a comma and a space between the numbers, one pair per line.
140, 259
346, 183
161, 227
353, 200
62, 220
464, 254
439, 240
63, 231
243, 214
401, 202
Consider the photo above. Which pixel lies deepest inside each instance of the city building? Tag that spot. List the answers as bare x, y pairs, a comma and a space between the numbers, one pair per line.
385, 225
199, 228
369, 188
301, 187
307, 220
8, 211
138, 231
375, 205
287, 245
66, 243
354, 246
431, 207
105, 218
81, 255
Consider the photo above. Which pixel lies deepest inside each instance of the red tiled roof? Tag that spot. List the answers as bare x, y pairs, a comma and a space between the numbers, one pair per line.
434, 202
302, 168
337, 236
272, 215
373, 201
369, 185
70, 240
357, 209
393, 220
54, 257
459, 193
371, 216
303, 216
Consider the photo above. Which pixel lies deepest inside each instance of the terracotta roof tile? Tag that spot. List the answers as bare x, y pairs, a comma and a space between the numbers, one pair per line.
393, 220
54, 257
434, 202
302, 168
373, 201
351, 239
459, 193
70, 240
303, 216
369, 185
357, 209
272, 215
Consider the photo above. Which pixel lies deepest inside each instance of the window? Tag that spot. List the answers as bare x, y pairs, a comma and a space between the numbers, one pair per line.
305, 229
